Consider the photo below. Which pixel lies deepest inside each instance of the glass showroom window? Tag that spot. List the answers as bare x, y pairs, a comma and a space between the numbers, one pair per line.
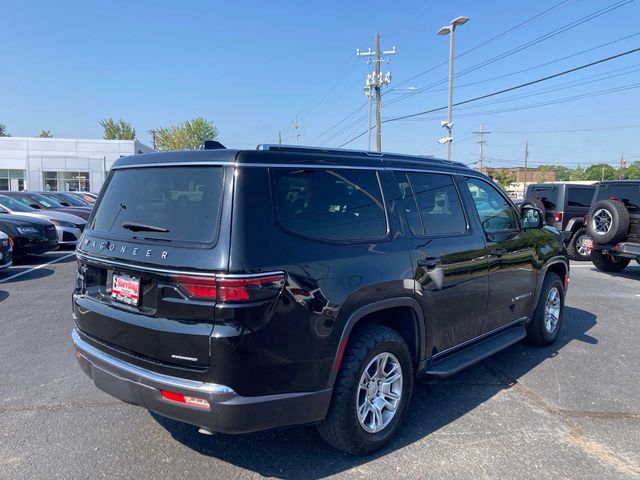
66, 181
11, 179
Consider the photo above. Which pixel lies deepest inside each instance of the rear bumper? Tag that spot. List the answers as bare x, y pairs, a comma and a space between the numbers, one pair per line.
228, 411
624, 249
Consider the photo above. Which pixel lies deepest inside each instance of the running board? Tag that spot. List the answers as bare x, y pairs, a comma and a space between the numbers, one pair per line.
457, 361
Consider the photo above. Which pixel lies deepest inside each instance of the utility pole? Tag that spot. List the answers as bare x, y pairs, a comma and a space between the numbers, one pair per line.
526, 160
377, 81
482, 141
153, 138
279, 137
297, 126
623, 164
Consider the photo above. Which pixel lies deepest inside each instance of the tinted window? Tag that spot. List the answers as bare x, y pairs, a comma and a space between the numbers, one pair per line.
438, 204
184, 201
47, 202
495, 212
580, 197
340, 205
548, 195
14, 205
627, 194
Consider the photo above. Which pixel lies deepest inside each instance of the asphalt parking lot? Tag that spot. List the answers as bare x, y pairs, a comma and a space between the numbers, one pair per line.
568, 411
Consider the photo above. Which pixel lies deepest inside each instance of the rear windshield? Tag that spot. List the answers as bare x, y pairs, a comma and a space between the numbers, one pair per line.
548, 195
165, 203
627, 194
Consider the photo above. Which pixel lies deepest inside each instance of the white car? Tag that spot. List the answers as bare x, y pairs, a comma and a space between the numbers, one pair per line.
69, 227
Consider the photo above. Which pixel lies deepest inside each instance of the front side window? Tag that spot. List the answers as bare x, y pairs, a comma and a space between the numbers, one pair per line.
495, 212
334, 205
439, 210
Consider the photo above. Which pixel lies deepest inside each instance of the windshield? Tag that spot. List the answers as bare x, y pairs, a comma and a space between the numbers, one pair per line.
47, 202
14, 205
65, 197
627, 194
164, 203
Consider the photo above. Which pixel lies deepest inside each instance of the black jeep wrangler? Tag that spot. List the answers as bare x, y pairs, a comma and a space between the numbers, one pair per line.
614, 224
565, 206
301, 285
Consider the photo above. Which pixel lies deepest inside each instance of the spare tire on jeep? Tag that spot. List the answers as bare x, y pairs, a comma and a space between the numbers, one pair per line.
608, 222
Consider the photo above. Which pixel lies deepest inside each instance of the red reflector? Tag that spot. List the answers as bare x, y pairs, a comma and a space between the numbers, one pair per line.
614, 197
11, 241
343, 345
536, 197
557, 217
78, 354
178, 397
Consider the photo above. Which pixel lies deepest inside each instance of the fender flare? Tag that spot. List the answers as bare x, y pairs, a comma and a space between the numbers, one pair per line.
543, 274
575, 223
377, 306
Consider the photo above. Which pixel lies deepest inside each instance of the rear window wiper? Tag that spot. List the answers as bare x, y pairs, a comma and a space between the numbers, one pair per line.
141, 227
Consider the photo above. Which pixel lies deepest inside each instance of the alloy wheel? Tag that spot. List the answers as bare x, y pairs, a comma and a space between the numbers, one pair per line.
552, 310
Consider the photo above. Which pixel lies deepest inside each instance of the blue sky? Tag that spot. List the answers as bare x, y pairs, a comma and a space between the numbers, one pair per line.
252, 66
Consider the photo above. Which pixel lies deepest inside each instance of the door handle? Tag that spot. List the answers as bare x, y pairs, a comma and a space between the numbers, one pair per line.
498, 252
429, 262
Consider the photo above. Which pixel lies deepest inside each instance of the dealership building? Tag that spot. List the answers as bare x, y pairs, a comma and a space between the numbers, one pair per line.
32, 163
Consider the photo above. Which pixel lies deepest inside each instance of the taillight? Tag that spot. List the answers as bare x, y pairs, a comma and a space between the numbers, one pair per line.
557, 217
235, 288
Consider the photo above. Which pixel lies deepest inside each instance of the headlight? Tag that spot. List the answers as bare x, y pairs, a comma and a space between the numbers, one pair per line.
25, 230
60, 223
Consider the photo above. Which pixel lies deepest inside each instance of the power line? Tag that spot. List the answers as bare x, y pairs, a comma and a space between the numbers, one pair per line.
504, 90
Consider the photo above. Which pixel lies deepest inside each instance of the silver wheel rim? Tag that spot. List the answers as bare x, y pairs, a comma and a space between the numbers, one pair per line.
602, 222
552, 310
379, 392
582, 250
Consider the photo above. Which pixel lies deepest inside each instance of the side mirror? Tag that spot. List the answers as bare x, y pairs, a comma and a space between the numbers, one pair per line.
531, 217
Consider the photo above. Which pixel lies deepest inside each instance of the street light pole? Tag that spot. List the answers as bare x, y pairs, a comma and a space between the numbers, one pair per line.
450, 30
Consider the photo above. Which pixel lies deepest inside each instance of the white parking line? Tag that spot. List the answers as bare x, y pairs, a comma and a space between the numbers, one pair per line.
37, 267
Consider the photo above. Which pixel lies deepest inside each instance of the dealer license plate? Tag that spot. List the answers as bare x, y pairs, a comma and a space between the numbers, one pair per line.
126, 289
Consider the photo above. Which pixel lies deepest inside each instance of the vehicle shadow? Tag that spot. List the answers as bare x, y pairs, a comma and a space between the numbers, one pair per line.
30, 260
3, 294
300, 453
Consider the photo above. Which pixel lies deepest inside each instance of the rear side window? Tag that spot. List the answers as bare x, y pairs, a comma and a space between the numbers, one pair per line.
438, 206
164, 203
548, 195
580, 197
334, 205
627, 194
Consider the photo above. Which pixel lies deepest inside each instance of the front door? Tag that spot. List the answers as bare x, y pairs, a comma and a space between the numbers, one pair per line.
511, 253
448, 255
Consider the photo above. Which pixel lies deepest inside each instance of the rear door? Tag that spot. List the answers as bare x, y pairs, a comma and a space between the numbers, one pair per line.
510, 251
148, 259
448, 256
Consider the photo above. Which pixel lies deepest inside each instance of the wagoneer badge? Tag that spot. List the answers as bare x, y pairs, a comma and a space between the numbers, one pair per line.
134, 251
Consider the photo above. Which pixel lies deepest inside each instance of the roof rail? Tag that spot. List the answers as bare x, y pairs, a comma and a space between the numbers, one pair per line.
361, 153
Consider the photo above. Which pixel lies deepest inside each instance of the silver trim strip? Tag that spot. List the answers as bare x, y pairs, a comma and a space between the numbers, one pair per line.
169, 381
178, 272
476, 339
171, 164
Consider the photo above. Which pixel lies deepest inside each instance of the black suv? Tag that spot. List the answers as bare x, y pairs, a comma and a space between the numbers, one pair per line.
299, 285
614, 224
565, 206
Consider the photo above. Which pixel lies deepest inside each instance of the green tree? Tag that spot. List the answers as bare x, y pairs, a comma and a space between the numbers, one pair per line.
45, 134
188, 135
3, 131
563, 174
502, 177
632, 171
578, 173
595, 172
119, 130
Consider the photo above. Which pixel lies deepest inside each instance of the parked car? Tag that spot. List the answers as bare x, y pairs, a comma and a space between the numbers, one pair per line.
69, 227
614, 225
564, 206
88, 197
66, 199
40, 202
31, 236
305, 285
6, 251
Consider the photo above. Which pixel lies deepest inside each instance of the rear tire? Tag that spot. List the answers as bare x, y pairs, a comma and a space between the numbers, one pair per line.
575, 249
343, 427
544, 327
608, 263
